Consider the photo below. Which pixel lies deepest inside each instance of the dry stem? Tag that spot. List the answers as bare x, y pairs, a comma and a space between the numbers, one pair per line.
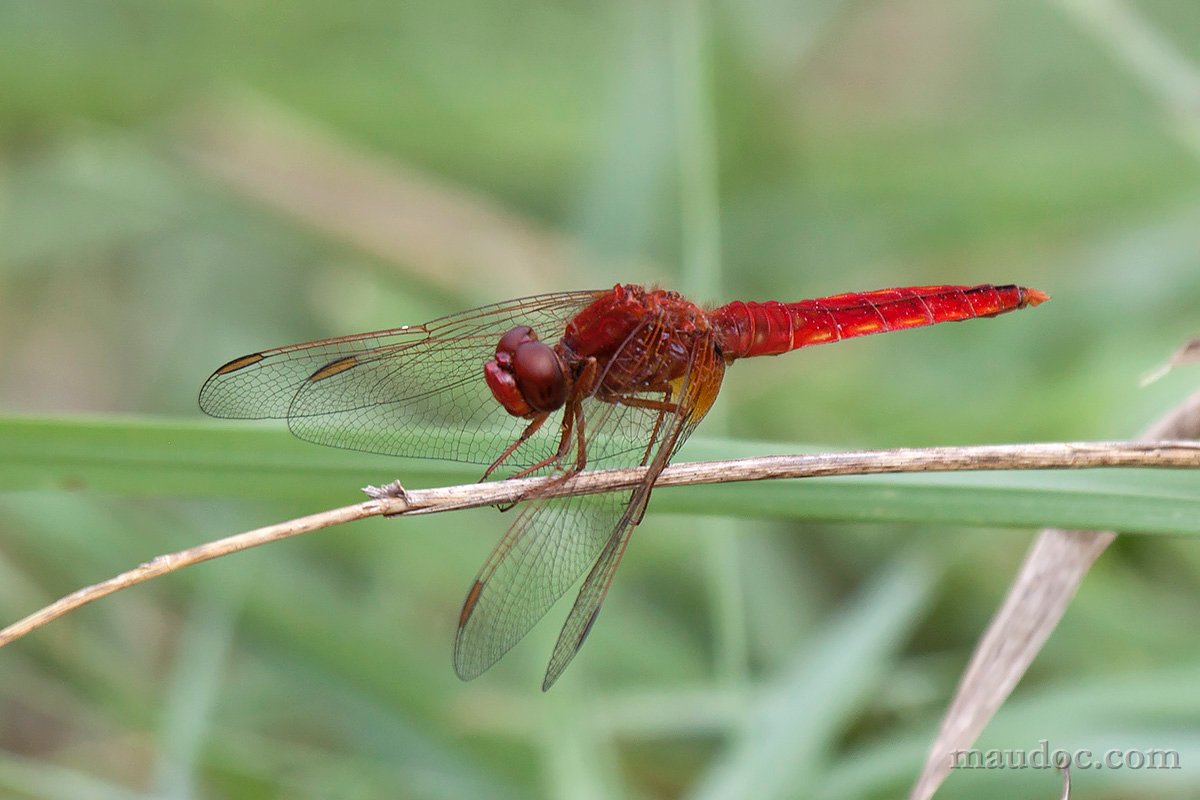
393, 500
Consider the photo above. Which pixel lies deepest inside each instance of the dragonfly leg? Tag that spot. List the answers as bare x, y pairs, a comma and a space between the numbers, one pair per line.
638, 401
571, 428
581, 446
530, 430
572, 425
587, 378
663, 407
568, 426
564, 439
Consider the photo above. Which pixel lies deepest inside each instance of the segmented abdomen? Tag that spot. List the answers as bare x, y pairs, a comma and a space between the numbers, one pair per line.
759, 329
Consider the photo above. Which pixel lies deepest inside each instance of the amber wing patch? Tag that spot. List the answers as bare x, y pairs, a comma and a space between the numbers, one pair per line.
333, 368
240, 363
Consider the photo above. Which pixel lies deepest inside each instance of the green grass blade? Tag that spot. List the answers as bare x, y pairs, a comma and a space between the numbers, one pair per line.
202, 458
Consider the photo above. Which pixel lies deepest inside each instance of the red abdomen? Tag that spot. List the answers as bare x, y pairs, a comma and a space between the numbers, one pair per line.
760, 329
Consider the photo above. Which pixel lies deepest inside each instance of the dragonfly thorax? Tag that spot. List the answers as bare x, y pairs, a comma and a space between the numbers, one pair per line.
641, 339
526, 376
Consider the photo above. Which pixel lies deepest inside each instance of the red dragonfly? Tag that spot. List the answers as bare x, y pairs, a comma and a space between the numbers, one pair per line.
547, 385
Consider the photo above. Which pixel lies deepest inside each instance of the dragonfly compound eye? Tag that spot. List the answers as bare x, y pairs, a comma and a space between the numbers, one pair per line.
526, 376
513, 339
539, 375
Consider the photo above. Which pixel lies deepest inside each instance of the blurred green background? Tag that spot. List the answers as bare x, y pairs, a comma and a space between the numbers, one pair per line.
184, 182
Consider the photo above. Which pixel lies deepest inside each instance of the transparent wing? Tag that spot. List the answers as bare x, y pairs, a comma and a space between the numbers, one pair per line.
697, 393
554, 541
414, 391
548, 547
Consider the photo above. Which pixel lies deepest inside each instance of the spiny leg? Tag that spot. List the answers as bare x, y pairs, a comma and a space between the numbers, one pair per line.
529, 431
574, 414
572, 420
567, 426
580, 445
664, 407
582, 387
564, 439
587, 378
572, 427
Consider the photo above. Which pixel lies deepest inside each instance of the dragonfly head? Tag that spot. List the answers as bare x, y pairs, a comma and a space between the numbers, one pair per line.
526, 376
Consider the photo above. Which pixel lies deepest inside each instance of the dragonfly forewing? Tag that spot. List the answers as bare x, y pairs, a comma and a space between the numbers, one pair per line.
411, 391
